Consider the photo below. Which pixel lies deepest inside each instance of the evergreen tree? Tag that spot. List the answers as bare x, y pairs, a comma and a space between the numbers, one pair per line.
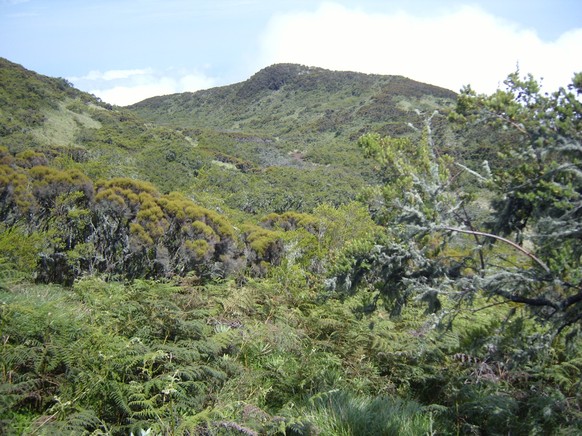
527, 251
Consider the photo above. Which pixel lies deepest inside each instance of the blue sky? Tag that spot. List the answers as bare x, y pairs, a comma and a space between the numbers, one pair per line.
126, 50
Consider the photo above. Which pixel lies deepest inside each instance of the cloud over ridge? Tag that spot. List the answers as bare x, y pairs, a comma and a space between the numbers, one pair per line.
443, 45
452, 49
125, 87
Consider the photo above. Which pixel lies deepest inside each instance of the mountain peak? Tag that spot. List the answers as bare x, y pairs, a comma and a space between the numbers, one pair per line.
273, 78
282, 72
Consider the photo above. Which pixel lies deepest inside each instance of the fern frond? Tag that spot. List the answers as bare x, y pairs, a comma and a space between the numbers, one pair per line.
192, 424
81, 422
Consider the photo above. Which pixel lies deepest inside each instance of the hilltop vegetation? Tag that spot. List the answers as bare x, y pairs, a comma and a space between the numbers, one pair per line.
302, 104
307, 252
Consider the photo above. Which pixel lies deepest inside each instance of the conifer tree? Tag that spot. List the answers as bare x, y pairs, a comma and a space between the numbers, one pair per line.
527, 252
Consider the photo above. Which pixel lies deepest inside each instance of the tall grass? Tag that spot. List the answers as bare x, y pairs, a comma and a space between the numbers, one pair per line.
344, 414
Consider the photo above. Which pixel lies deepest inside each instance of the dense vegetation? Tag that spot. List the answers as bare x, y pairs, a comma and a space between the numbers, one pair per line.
301, 122
390, 259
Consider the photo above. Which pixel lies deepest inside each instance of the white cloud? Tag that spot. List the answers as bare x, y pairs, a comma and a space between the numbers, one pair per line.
452, 49
125, 87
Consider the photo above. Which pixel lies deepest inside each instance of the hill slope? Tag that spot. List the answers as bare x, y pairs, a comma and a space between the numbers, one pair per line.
302, 123
76, 130
297, 103
285, 139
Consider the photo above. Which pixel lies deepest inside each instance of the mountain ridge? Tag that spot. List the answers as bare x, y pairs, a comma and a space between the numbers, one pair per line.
346, 95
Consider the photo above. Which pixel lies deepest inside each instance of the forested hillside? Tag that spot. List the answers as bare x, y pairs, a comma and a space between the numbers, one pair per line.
307, 252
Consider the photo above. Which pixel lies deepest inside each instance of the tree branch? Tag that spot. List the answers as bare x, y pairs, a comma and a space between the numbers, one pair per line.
537, 302
569, 323
572, 300
507, 241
